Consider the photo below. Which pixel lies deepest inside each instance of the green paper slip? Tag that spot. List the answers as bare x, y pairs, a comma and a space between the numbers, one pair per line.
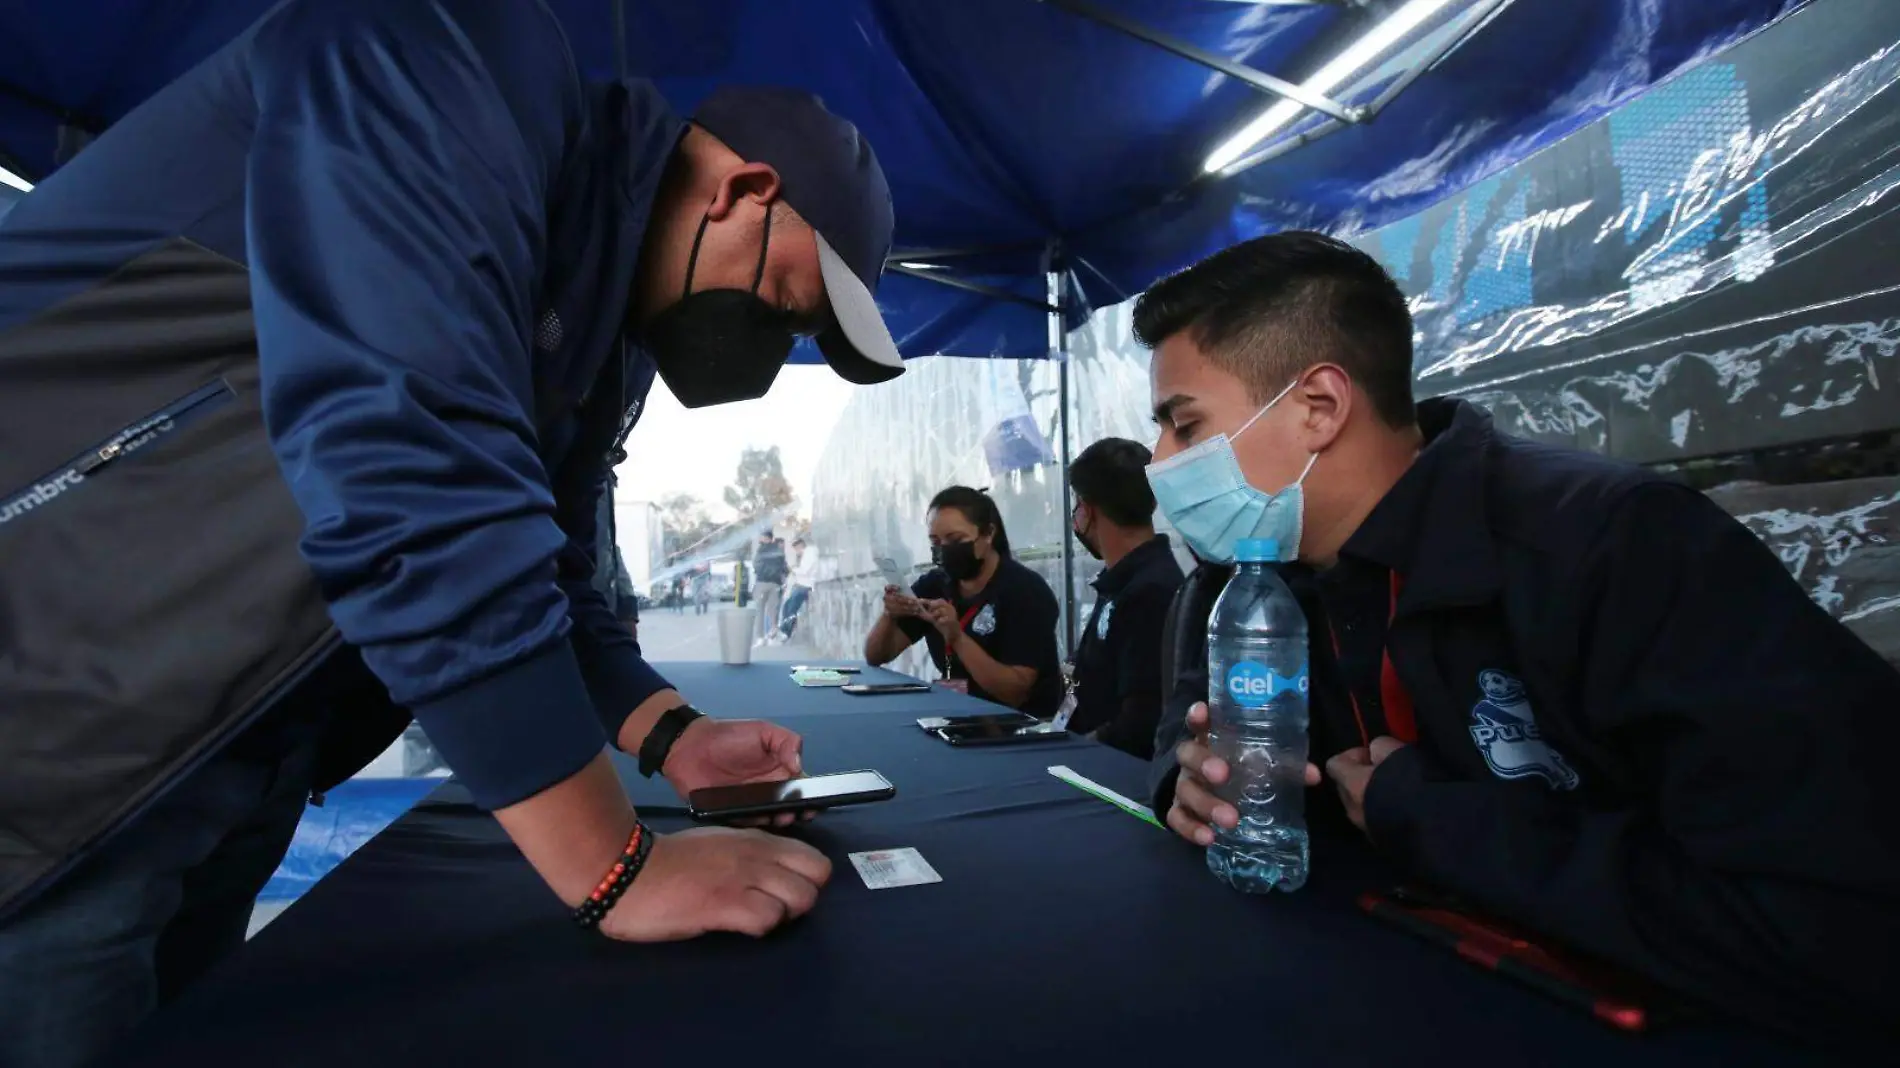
1086, 785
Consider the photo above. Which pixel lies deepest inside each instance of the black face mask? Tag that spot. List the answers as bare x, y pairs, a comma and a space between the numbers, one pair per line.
957, 559
717, 346
1081, 535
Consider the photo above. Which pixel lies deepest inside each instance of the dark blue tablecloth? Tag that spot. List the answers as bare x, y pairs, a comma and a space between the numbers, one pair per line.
1064, 932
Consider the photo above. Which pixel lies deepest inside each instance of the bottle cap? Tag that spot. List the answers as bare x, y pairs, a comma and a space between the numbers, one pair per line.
1257, 551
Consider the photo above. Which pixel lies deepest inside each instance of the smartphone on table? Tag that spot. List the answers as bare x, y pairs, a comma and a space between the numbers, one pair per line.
718, 804
983, 719
974, 734
863, 689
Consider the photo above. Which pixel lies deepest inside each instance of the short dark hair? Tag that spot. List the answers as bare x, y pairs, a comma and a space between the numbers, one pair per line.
979, 509
1268, 308
1109, 475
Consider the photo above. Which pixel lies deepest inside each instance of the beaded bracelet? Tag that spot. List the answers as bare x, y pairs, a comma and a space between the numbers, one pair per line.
618, 878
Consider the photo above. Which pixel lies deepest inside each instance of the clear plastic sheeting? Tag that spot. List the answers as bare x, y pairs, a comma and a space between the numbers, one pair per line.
1706, 270
991, 424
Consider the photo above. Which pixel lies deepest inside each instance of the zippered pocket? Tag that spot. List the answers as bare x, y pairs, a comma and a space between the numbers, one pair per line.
133, 438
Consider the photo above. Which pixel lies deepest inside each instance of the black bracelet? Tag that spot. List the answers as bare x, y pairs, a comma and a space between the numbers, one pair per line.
659, 741
618, 878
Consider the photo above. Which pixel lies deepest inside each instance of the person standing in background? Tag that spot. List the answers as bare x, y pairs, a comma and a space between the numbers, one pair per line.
768, 583
1118, 655
804, 578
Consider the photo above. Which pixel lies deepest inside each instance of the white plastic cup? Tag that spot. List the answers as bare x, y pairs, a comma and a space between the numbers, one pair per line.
735, 634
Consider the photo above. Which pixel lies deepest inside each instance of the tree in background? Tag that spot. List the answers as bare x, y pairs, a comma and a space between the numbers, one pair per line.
760, 487
683, 523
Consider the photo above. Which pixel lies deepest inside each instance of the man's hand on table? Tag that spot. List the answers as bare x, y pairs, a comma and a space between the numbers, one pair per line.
718, 879
726, 752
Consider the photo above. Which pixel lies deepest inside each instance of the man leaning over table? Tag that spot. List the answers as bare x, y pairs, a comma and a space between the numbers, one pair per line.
1575, 695
413, 280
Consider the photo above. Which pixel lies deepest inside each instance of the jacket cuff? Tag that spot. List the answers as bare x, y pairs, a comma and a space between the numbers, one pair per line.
618, 679
515, 733
1161, 785
1390, 802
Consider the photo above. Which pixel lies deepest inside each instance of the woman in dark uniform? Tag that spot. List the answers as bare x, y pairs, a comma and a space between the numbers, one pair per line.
990, 622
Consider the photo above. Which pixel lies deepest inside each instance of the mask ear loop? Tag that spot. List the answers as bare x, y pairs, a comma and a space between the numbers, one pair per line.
692, 261
765, 242
1264, 409
1310, 461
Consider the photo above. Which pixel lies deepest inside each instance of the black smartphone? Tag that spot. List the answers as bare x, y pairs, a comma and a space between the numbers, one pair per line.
998, 720
1000, 734
721, 803
845, 669
860, 689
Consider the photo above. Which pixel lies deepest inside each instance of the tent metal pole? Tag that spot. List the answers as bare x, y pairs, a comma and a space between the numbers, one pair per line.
1476, 18
622, 65
972, 287
1260, 80
1059, 351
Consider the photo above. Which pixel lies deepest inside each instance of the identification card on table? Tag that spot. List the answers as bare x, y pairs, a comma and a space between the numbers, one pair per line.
886, 868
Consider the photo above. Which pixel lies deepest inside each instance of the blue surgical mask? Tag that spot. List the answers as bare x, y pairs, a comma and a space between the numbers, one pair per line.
1210, 504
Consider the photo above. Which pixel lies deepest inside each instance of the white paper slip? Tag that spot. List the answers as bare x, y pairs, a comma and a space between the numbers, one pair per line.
894, 867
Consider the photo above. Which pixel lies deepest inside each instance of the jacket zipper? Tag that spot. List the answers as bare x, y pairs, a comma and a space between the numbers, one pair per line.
134, 437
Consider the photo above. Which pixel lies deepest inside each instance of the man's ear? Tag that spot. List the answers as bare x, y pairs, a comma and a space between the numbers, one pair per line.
755, 182
1325, 394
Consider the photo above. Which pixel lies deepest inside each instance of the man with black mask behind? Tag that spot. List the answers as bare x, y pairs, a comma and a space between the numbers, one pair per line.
1118, 682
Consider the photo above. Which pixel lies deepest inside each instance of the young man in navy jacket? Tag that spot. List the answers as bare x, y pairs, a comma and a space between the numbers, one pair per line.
310, 368
1563, 689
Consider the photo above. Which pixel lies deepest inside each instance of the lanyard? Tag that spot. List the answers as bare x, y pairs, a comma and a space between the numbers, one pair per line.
949, 658
1400, 720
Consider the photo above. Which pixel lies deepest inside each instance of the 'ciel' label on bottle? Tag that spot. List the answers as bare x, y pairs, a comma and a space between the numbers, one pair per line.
1254, 684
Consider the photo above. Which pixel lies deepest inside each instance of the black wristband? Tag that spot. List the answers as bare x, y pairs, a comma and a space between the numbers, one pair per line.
659, 740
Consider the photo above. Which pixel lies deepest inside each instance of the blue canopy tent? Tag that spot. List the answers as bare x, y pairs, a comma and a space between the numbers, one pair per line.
1022, 136
1046, 156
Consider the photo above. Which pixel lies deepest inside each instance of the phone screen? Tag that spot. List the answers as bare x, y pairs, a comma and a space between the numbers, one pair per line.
862, 688
887, 567
791, 795
984, 720
990, 733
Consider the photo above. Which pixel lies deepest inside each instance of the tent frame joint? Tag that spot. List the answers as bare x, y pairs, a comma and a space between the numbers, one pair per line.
1266, 83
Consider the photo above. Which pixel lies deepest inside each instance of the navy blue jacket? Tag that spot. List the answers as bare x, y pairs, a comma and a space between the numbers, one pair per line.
1636, 732
441, 225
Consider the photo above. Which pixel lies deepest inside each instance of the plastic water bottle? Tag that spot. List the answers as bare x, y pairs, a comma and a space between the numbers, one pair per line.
1257, 682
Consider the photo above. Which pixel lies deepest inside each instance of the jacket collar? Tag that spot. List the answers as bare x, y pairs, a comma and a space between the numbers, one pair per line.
1433, 526
1115, 579
601, 203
